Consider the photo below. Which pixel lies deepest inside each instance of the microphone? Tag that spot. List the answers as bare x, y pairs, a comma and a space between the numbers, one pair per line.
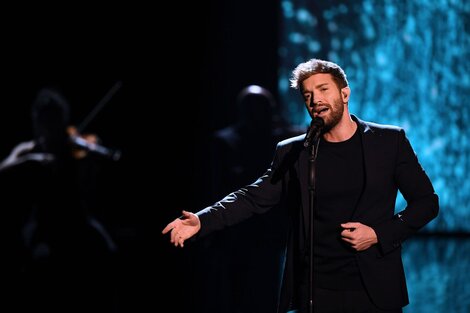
313, 131
81, 143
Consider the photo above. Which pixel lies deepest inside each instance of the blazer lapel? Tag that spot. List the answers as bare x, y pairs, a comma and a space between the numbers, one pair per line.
366, 155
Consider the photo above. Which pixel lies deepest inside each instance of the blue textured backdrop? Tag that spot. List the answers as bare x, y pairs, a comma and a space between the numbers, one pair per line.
407, 64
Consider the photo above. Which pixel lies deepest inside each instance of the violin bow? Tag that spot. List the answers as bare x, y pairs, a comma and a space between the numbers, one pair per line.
99, 106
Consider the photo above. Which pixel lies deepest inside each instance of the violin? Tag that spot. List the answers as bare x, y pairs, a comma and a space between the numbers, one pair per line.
83, 144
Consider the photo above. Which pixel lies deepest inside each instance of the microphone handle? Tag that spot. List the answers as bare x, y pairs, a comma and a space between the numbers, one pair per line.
313, 131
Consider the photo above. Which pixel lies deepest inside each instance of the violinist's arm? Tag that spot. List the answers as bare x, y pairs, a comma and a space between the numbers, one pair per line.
21, 153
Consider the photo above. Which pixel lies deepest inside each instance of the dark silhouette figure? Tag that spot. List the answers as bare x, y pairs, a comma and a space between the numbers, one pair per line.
243, 264
256, 132
63, 255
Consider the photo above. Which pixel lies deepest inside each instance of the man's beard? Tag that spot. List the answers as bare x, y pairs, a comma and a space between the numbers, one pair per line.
336, 113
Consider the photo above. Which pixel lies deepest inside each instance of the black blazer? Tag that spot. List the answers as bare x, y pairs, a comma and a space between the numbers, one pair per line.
390, 165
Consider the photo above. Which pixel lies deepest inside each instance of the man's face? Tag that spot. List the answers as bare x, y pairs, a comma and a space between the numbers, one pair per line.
324, 99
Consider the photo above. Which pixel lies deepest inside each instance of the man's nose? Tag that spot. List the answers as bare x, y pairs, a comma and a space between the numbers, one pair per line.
312, 103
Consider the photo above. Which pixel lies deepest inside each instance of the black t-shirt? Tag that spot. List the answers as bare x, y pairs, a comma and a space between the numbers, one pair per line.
339, 183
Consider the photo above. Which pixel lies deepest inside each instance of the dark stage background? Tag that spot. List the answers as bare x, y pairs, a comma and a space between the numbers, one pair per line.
181, 68
180, 72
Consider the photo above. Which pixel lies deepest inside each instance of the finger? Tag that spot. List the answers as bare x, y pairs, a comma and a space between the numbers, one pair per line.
347, 234
348, 240
175, 236
179, 240
186, 214
351, 225
72, 130
90, 138
168, 228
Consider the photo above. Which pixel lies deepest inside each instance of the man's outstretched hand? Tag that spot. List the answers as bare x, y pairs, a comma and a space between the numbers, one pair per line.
183, 228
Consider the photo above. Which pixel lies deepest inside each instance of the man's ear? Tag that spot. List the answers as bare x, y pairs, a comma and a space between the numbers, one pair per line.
345, 92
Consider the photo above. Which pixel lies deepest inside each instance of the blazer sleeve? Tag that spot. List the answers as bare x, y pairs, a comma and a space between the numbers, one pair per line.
416, 188
256, 198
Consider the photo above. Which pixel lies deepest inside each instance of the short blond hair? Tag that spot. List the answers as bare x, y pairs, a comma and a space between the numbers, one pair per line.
315, 66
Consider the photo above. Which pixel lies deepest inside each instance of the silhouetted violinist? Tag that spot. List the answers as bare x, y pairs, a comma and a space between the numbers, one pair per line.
51, 183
